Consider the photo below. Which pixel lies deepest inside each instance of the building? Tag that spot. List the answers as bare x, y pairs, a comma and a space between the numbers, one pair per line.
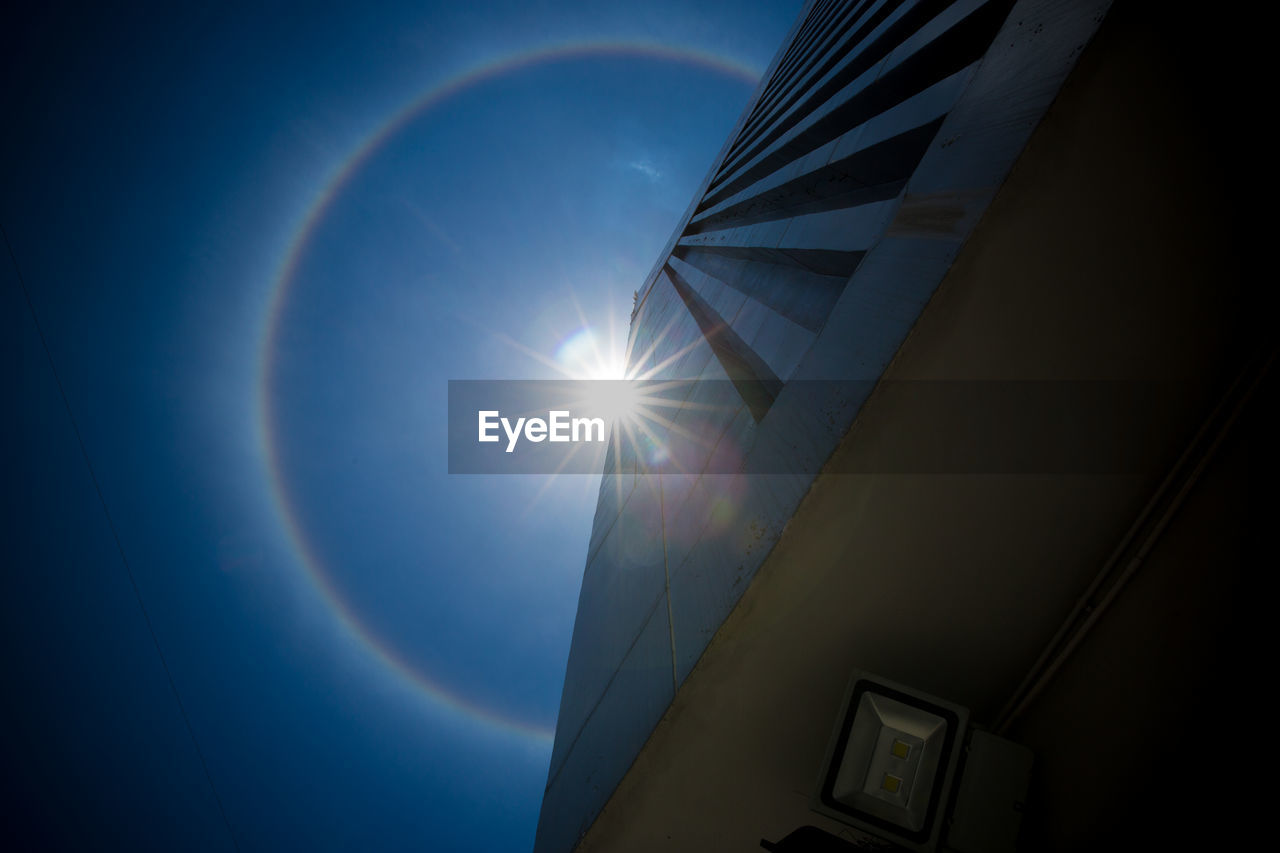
935, 224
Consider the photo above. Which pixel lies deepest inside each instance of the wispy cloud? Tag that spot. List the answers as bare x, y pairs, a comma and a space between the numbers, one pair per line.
645, 168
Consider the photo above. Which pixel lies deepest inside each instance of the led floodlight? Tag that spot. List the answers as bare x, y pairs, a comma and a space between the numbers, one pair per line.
891, 761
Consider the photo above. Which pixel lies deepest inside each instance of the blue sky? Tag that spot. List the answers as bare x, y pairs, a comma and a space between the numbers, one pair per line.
254, 313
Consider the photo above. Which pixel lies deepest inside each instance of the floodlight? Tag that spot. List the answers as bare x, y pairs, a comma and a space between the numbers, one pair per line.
891, 760
906, 766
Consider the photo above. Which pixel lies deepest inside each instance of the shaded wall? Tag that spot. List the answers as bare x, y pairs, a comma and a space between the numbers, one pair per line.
1116, 249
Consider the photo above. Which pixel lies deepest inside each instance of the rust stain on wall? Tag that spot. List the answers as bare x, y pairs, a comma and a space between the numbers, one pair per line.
944, 214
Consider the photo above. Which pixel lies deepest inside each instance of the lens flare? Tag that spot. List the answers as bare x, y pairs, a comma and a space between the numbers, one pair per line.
583, 355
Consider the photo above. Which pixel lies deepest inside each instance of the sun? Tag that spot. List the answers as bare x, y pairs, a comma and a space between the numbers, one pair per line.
632, 392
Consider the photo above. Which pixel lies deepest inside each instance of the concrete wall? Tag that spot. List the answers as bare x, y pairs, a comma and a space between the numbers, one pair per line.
1110, 252
813, 249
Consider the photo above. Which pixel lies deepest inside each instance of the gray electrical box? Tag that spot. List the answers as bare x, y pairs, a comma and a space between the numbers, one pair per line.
988, 804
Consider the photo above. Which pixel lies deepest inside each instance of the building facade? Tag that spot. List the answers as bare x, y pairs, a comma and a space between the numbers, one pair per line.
924, 205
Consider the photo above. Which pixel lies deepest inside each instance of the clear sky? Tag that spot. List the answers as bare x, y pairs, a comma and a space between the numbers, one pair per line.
259, 240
